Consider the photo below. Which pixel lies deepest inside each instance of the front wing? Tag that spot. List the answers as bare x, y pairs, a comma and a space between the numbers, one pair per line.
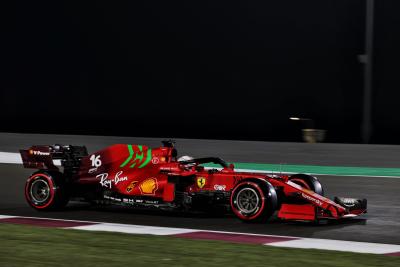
314, 207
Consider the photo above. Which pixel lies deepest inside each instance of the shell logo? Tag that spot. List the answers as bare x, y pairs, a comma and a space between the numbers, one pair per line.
149, 186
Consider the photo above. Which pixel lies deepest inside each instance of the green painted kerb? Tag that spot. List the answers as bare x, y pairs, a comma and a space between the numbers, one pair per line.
328, 170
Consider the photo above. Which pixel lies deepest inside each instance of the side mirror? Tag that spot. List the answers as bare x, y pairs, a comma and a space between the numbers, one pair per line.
231, 166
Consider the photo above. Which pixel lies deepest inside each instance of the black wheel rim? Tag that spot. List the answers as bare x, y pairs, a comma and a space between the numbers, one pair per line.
247, 200
40, 191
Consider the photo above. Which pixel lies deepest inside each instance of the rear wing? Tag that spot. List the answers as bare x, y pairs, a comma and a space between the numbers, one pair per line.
46, 157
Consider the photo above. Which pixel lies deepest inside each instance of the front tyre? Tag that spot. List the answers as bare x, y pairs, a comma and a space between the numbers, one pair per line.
308, 182
46, 191
253, 201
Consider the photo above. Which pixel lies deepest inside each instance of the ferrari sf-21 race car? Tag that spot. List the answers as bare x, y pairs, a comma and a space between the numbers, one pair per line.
139, 176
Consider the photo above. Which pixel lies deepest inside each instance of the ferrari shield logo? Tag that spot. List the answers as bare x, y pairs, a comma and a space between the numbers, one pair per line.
201, 181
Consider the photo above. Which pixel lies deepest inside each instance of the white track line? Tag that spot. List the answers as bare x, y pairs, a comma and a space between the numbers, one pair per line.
8, 157
338, 245
6, 216
298, 242
134, 229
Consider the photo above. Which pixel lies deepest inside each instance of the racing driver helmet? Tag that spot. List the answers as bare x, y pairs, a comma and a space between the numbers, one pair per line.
187, 158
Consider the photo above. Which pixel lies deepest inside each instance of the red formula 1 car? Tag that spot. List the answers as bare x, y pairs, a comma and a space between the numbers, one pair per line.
135, 175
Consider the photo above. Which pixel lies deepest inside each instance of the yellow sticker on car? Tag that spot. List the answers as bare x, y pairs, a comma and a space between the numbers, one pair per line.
131, 186
201, 182
149, 186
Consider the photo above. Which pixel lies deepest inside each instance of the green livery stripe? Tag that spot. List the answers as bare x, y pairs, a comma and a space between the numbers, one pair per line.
128, 158
147, 159
323, 170
133, 165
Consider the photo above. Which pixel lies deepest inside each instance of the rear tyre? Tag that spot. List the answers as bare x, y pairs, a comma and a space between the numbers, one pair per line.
46, 190
253, 201
308, 182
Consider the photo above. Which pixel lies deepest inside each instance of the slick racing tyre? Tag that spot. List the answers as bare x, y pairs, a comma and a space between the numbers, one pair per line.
46, 191
253, 201
308, 182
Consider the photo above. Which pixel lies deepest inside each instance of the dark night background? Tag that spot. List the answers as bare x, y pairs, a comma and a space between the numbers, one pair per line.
197, 69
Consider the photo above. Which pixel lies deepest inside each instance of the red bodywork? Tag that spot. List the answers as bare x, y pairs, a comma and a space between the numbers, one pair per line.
134, 174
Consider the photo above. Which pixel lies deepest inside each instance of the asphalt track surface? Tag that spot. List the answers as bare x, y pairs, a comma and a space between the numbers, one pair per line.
380, 225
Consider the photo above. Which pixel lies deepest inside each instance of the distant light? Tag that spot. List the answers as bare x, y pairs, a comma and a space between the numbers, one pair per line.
300, 119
